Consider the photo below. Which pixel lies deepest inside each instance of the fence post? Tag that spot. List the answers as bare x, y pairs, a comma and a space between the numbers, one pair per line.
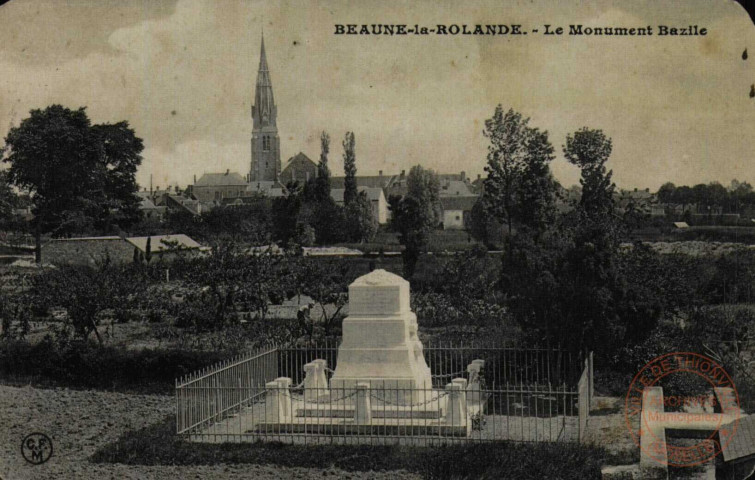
272, 402
363, 410
462, 383
453, 405
284, 383
592, 384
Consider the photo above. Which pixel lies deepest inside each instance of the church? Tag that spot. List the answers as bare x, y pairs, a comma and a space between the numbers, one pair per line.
266, 176
231, 188
266, 152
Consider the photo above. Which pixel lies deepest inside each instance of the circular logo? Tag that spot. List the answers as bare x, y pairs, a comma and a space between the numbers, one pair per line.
36, 448
712, 412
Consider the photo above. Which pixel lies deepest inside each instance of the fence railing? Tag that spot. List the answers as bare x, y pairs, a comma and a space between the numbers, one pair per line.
214, 393
519, 395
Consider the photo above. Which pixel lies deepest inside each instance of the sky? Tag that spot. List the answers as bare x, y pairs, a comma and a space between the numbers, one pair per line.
182, 73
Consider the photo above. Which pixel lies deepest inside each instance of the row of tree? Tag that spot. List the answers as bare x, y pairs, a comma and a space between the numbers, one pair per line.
308, 214
80, 177
562, 274
730, 200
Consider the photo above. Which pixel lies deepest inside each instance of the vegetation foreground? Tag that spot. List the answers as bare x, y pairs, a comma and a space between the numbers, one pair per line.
157, 445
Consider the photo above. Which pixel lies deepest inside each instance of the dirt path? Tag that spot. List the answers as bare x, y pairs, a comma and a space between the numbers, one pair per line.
80, 422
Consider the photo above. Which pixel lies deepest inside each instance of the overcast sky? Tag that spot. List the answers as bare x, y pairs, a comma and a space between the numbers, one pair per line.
182, 73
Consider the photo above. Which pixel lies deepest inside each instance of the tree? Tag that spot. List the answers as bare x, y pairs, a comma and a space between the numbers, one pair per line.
8, 198
483, 227
350, 169
589, 150
519, 189
148, 250
361, 222
285, 214
89, 293
78, 175
416, 214
121, 153
321, 182
667, 193
407, 219
536, 196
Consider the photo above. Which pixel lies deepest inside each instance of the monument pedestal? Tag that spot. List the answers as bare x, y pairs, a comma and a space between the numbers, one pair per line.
380, 345
382, 384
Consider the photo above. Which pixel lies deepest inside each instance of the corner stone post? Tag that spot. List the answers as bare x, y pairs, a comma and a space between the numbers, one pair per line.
455, 415
272, 402
363, 410
284, 384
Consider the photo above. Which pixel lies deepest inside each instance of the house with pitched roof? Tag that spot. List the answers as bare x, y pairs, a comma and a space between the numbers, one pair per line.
457, 210
217, 186
299, 168
376, 197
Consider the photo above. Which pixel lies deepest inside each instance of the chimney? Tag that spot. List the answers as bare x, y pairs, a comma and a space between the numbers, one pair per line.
380, 173
195, 179
403, 173
479, 176
227, 171
463, 176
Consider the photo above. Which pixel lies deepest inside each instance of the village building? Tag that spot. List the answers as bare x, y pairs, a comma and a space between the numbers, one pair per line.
99, 250
217, 186
299, 168
457, 211
376, 197
152, 211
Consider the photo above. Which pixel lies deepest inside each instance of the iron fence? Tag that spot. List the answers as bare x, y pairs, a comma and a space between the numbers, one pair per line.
273, 394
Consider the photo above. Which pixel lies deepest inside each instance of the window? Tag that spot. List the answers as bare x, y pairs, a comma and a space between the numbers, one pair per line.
266, 143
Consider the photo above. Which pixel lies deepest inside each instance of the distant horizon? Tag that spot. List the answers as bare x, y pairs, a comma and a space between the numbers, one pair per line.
182, 73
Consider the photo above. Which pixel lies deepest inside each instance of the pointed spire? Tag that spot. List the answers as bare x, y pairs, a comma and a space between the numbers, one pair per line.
263, 57
263, 110
263, 74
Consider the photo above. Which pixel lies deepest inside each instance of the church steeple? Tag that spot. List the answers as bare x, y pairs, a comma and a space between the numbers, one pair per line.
263, 97
265, 141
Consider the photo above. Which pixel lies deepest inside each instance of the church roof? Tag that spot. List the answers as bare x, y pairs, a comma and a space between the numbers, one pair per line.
220, 179
299, 159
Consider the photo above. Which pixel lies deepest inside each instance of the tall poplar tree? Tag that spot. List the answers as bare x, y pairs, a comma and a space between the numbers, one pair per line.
350, 169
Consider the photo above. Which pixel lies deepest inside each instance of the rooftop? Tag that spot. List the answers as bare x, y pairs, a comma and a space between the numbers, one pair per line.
163, 242
220, 179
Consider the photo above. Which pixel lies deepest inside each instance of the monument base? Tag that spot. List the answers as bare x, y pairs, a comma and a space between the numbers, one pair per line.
389, 427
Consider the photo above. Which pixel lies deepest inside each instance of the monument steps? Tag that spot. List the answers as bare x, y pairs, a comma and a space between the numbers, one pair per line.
378, 411
387, 427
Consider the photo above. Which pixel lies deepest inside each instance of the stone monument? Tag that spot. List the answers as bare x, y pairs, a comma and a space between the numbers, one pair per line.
380, 346
382, 384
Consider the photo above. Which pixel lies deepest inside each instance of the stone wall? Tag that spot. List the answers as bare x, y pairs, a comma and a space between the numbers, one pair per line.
87, 251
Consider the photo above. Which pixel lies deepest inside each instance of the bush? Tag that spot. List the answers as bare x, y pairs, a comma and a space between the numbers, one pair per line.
157, 445
81, 364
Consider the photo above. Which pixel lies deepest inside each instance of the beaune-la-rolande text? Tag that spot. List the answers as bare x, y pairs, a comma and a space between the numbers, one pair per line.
517, 29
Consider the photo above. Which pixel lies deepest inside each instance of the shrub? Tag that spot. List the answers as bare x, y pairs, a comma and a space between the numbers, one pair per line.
157, 445
82, 364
